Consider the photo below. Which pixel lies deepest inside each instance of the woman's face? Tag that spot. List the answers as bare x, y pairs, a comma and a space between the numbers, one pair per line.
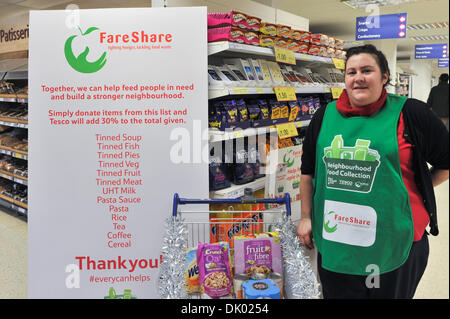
363, 80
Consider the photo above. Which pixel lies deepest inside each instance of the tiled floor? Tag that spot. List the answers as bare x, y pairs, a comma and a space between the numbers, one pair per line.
13, 255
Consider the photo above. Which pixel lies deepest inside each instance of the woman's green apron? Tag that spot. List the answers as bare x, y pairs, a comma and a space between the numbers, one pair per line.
361, 211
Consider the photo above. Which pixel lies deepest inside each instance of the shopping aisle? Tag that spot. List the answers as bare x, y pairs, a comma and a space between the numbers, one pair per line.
13, 256
435, 283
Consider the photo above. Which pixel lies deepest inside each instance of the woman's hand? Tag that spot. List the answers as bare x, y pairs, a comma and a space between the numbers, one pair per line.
304, 232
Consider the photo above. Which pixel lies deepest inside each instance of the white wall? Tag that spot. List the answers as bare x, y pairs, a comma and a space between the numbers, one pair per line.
389, 49
421, 83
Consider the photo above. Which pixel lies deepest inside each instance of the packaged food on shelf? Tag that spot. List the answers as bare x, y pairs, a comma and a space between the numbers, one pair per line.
237, 72
232, 18
257, 70
241, 168
319, 39
232, 34
253, 23
268, 29
283, 31
217, 174
213, 77
280, 42
266, 40
265, 71
251, 37
245, 67
339, 44
340, 54
330, 52
331, 42
275, 72
314, 49
303, 47
214, 271
299, 35
293, 45
322, 51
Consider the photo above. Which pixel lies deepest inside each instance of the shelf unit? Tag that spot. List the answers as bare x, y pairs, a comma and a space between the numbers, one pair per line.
224, 49
403, 85
5, 200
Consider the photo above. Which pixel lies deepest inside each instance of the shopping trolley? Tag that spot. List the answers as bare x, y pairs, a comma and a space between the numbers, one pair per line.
202, 231
223, 229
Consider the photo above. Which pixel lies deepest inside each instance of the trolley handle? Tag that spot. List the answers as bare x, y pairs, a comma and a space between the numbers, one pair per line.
286, 200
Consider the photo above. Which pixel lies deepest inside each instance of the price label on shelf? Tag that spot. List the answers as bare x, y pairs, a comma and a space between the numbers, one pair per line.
239, 91
284, 56
285, 93
287, 130
336, 92
339, 63
234, 134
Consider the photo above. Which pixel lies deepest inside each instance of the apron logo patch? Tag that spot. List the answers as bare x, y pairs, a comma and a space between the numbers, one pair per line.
326, 226
350, 168
349, 223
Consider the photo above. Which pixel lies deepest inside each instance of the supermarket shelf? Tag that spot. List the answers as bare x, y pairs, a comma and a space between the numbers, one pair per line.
21, 98
13, 122
13, 177
13, 204
216, 92
218, 136
14, 153
236, 191
225, 46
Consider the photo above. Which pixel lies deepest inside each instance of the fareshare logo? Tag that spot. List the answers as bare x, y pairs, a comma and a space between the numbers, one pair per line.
349, 224
80, 63
326, 224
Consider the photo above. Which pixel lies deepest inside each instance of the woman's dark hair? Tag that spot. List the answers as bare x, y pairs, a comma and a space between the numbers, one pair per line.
379, 56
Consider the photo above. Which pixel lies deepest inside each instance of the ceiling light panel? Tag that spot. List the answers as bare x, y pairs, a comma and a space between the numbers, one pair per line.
423, 26
361, 4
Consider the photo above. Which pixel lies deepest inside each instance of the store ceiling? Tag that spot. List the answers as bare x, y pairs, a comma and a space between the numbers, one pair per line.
339, 20
325, 16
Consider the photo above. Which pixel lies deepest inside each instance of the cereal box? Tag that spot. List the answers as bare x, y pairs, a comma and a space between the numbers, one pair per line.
258, 258
191, 275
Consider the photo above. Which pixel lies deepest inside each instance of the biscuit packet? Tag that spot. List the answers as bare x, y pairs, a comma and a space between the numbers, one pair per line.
214, 267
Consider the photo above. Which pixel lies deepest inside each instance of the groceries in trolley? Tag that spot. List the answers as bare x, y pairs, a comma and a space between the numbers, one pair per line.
254, 272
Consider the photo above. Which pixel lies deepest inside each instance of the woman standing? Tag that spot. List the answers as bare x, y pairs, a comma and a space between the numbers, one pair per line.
367, 192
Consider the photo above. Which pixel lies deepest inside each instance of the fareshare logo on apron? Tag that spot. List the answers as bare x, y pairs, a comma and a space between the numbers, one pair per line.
349, 223
350, 168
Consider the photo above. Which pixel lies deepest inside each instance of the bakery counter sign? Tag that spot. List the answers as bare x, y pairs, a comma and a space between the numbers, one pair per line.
14, 34
350, 168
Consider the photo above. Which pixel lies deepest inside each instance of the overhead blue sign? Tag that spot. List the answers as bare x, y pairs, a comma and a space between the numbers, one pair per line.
431, 51
443, 63
387, 26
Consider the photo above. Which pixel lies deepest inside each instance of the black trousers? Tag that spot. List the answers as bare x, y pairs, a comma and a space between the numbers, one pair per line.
398, 284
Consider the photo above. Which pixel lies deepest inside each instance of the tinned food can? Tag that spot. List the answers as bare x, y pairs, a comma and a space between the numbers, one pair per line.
277, 279
238, 280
